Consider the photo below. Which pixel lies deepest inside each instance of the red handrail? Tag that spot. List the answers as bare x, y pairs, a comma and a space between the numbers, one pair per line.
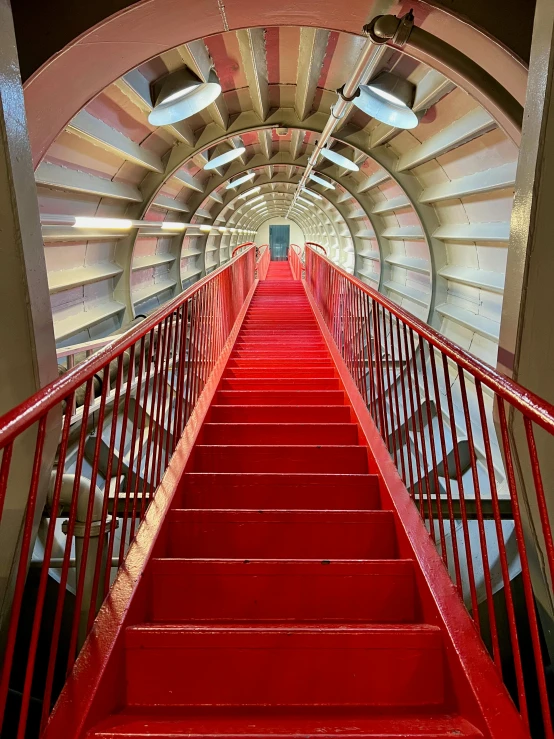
162, 367
241, 247
317, 246
262, 262
426, 397
296, 263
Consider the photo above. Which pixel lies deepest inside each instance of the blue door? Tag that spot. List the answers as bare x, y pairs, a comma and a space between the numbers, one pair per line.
279, 240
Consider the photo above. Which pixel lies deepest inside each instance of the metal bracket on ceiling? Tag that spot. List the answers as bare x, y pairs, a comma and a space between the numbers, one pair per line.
384, 29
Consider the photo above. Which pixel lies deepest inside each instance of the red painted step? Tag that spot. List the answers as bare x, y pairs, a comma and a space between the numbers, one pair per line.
280, 397
280, 433
277, 534
280, 383
283, 413
276, 490
294, 723
260, 458
372, 591
285, 665
281, 371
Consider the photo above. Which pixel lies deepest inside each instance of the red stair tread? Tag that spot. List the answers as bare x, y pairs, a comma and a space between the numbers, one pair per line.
294, 725
282, 458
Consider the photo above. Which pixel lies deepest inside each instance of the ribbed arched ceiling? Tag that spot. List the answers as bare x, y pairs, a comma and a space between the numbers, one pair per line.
425, 219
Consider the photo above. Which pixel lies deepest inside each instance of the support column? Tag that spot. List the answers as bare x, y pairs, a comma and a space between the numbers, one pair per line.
27, 346
526, 350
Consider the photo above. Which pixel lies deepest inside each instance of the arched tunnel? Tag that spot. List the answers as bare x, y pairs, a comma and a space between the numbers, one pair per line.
398, 149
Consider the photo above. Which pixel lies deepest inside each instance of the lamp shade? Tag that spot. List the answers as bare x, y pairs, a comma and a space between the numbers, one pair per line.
339, 160
321, 181
388, 99
225, 158
240, 180
181, 95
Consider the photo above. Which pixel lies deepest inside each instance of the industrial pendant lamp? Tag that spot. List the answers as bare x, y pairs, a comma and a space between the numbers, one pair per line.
181, 95
225, 158
321, 181
240, 180
388, 99
339, 160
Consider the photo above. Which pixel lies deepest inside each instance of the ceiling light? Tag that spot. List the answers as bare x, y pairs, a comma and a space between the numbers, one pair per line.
312, 194
244, 178
205, 229
304, 200
173, 226
321, 181
225, 158
180, 95
122, 224
388, 99
339, 160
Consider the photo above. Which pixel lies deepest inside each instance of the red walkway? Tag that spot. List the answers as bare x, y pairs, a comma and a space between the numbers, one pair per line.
278, 603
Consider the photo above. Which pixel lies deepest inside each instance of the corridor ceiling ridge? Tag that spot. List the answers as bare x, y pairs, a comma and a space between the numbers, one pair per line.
421, 215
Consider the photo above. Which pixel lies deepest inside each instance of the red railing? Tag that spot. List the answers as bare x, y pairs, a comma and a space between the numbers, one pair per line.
241, 247
317, 246
296, 263
109, 464
433, 405
262, 261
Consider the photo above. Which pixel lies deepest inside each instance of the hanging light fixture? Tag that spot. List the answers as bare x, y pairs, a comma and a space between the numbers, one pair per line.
225, 158
312, 194
240, 180
389, 99
321, 181
180, 95
339, 160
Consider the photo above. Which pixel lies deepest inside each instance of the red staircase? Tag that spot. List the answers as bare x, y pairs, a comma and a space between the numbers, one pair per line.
279, 601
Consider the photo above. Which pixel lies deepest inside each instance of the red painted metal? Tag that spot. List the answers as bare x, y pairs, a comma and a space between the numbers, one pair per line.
171, 356
415, 385
317, 246
279, 577
280, 571
295, 261
241, 247
262, 261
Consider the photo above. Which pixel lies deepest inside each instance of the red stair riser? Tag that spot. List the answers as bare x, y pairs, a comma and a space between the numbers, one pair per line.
280, 397
378, 591
284, 371
286, 434
400, 666
246, 458
280, 414
281, 534
278, 490
278, 383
